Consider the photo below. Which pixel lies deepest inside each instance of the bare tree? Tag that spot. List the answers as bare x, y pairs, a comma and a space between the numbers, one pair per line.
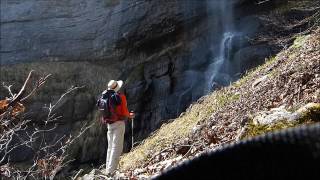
49, 158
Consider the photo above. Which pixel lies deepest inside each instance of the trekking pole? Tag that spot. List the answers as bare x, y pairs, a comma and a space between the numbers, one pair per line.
132, 119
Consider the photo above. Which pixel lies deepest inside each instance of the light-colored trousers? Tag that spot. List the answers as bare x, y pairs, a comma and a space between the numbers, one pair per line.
115, 145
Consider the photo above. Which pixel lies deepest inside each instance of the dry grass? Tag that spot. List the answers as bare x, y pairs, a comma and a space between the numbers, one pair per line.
177, 130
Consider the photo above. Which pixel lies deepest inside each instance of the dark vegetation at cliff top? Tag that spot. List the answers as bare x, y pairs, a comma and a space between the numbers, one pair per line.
290, 79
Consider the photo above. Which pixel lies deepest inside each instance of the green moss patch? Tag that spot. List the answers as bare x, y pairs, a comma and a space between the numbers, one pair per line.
256, 130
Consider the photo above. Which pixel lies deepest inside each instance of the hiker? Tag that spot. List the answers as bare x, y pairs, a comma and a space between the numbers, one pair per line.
115, 113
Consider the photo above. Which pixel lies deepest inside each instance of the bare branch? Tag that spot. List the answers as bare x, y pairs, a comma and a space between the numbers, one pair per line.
51, 116
22, 91
49, 157
40, 82
261, 2
9, 89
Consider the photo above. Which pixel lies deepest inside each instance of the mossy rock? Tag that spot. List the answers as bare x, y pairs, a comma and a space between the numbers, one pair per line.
299, 41
308, 114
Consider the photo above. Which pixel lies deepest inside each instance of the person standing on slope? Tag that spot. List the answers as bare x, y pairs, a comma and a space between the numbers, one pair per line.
115, 113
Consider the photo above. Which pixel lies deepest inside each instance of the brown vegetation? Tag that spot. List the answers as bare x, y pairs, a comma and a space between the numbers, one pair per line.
49, 158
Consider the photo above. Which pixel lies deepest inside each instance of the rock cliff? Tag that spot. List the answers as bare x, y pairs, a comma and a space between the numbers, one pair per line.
162, 49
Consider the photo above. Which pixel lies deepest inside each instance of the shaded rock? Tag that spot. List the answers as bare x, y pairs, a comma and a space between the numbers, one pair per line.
310, 111
251, 56
93, 175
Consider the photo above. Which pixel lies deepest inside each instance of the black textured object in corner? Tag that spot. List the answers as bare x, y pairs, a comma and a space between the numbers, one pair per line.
292, 153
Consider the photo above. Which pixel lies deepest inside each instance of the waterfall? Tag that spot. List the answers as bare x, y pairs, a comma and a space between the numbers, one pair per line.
219, 69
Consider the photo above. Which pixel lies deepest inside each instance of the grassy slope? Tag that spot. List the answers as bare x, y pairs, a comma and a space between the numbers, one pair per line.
293, 80
178, 129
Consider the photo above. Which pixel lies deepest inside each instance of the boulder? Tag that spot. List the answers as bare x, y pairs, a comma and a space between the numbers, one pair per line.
310, 111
